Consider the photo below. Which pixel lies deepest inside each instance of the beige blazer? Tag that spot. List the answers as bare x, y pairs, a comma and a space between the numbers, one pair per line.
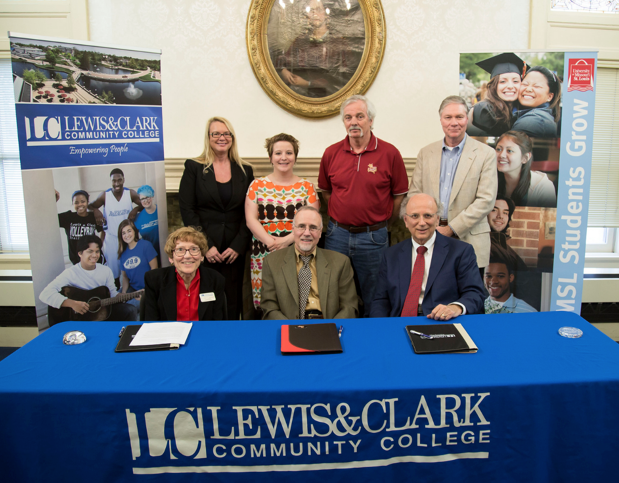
280, 285
473, 193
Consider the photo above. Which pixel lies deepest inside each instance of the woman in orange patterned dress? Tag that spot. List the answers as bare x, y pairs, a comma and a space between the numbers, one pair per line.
271, 204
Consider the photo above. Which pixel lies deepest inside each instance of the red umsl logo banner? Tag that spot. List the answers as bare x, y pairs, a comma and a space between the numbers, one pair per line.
580, 75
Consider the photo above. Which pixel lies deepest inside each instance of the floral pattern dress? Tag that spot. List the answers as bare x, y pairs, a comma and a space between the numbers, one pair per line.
277, 206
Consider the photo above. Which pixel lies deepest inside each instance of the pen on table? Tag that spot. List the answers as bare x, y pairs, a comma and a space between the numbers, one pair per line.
122, 331
420, 334
340, 331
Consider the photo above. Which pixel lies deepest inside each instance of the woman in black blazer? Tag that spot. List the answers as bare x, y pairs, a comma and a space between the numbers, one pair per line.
202, 289
212, 195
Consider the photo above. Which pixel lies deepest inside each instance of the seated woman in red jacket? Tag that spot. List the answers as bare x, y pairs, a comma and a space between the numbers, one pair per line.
187, 290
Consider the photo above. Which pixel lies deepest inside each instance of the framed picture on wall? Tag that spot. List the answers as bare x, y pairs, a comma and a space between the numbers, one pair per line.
310, 55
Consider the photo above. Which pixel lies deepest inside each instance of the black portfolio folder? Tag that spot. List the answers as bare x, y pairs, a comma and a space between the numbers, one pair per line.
127, 336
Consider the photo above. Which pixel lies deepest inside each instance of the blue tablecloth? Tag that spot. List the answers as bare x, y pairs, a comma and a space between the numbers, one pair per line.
227, 406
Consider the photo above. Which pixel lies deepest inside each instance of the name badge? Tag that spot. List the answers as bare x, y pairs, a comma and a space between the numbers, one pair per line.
207, 297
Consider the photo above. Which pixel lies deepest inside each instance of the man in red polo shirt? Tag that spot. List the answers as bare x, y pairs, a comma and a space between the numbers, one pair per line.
363, 179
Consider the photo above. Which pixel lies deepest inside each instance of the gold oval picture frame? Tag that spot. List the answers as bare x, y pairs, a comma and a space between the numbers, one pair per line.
311, 55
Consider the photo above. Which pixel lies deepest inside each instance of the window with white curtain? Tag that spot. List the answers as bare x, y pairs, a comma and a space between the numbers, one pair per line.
13, 235
604, 199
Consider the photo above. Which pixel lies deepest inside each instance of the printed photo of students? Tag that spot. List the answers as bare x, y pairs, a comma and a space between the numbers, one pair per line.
147, 221
492, 115
70, 292
499, 277
136, 258
514, 152
539, 103
499, 219
117, 203
78, 223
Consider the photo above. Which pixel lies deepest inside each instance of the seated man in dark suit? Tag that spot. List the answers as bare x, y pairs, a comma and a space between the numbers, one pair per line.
303, 281
435, 275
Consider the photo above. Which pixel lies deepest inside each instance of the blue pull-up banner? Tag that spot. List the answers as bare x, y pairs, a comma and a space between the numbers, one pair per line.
574, 180
90, 132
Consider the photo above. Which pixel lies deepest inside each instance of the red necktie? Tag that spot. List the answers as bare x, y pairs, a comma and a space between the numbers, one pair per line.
411, 303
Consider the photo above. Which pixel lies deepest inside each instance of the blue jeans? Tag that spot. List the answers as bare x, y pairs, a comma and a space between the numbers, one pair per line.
134, 302
365, 251
124, 311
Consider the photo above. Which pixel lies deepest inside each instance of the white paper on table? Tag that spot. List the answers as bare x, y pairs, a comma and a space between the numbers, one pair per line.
162, 333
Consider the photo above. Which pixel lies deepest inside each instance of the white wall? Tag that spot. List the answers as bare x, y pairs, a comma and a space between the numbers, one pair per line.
206, 70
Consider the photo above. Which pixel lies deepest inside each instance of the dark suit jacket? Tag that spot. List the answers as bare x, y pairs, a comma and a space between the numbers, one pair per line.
200, 204
160, 295
453, 277
280, 285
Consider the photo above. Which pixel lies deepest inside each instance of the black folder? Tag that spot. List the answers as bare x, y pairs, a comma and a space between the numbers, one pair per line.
127, 336
310, 339
452, 338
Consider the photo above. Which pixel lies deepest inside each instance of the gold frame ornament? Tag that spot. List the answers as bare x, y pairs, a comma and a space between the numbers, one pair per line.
271, 82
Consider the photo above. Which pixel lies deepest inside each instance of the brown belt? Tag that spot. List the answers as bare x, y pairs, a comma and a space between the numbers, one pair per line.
445, 222
313, 314
360, 229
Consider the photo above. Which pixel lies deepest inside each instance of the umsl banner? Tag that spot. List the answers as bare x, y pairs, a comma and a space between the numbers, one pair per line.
86, 135
581, 74
574, 180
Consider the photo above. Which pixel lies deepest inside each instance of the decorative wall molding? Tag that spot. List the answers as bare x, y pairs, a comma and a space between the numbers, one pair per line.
305, 167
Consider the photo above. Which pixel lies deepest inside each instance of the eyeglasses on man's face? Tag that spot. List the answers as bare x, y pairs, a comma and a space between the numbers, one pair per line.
417, 216
312, 228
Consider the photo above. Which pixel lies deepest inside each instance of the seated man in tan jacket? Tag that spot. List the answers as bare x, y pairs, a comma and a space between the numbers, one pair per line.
303, 281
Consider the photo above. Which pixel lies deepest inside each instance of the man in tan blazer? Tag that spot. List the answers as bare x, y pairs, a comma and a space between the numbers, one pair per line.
462, 174
330, 290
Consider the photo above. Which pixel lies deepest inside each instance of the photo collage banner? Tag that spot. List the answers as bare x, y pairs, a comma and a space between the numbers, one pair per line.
90, 131
536, 109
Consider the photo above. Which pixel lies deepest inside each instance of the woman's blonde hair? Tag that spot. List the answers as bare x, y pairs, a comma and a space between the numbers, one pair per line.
185, 234
208, 156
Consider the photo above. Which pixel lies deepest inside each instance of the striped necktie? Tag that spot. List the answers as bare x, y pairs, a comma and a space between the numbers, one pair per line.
305, 282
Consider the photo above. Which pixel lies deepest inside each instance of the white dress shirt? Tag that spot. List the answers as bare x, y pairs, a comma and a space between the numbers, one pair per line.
428, 261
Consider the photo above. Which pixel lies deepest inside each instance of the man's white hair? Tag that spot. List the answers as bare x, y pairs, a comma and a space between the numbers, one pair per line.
371, 110
453, 100
307, 208
407, 198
